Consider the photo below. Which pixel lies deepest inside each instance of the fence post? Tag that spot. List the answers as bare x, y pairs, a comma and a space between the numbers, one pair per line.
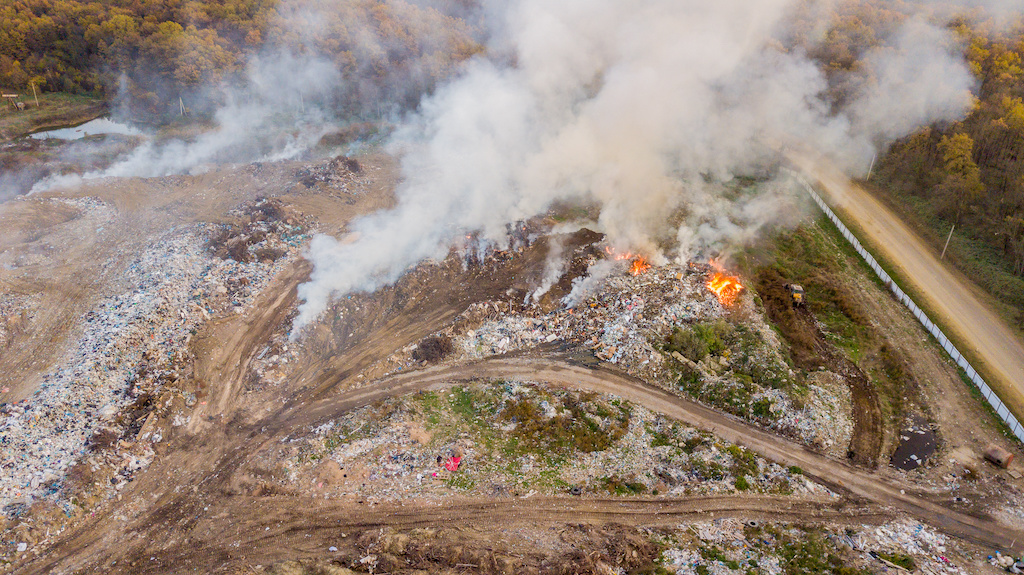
990, 396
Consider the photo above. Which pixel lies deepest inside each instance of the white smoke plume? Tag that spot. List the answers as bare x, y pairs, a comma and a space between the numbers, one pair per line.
585, 286
264, 119
554, 267
631, 106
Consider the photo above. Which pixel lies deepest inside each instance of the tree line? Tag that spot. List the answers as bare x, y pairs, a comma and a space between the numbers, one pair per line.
970, 174
157, 50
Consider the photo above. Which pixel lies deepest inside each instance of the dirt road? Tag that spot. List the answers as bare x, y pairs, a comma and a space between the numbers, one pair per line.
964, 316
216, 524
859, 483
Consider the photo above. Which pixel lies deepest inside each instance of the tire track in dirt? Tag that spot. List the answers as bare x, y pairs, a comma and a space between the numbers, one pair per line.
838, 475
205, 527
301, 531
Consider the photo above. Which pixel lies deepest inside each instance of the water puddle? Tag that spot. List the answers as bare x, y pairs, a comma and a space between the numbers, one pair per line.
90, 128
917, 443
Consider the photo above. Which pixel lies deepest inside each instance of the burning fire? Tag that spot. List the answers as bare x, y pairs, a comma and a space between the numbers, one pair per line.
726, 287
639, 264
617, 256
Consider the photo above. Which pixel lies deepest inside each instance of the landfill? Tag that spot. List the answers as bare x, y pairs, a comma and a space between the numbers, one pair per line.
169, 290
424, 448
625, 320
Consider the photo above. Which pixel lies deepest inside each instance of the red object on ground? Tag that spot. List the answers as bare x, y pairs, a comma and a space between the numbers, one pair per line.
452, 464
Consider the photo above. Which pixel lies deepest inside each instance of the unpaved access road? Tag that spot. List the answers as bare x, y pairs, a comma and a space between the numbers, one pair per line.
840, 476
963, 315
215, 526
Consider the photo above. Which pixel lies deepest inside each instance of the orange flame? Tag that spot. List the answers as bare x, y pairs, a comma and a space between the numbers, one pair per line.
727, 288
618, 256
639, 266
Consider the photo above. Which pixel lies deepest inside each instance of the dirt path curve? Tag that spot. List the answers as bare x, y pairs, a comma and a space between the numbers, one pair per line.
213, 526
1000, 351
859, 483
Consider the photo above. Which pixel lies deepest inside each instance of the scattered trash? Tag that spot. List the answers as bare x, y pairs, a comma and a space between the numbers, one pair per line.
998, 456
131, 348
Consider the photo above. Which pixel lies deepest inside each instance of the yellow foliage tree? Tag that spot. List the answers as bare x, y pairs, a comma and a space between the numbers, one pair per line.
1013, 113
962, 183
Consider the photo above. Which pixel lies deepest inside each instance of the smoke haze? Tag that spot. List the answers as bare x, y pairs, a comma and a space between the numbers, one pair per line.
647, 109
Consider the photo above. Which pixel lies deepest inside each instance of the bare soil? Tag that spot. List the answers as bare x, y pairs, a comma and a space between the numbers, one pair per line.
204, 505
811, 350
995, 349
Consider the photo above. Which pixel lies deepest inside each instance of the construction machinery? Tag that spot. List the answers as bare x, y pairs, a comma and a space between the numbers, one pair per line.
796, 292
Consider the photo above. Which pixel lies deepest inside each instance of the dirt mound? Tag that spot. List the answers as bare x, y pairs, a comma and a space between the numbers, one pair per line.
244, 242
330, 172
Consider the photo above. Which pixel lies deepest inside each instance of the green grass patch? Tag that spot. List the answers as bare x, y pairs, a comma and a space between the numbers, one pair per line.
460, 481
811, 554
903, 560
744, 461
714, 554
619, 486
56, 109
699, 340
576, 426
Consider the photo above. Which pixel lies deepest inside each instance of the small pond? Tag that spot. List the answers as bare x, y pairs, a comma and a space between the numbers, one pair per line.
90, 128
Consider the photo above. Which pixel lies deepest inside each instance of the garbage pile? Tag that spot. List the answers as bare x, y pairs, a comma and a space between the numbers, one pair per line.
340, 173
931, 551
625, 321
129, 345
502, 439
724, 545
1006, 562
618, 322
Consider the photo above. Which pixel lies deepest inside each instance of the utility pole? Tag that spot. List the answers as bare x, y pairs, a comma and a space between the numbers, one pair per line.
871, 166
947, 242
181, 106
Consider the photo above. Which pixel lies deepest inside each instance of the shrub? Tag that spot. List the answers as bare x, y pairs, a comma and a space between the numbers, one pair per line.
433, 349
698, 341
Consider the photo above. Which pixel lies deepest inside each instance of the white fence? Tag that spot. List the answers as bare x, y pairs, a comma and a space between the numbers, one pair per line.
1001, 410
